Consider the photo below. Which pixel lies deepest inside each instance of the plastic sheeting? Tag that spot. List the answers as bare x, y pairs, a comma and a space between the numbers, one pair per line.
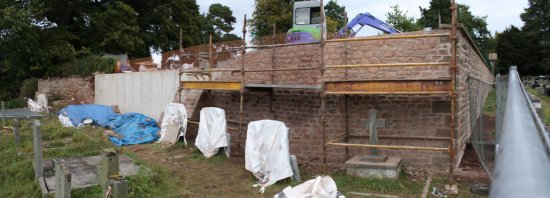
174, 113
266, 152
100, 114
133, 128
320, 187
212, 131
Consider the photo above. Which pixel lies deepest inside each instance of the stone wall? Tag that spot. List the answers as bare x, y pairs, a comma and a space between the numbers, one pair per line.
65, 91
470, 65
411, 120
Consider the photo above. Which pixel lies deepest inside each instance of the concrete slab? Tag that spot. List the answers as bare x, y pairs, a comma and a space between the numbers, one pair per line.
83, 171
360, 167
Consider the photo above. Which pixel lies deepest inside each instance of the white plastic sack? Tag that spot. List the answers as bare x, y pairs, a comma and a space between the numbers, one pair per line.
212, 131
174, 113
320, 187
266, 152
65, 121
42, 100
35, 106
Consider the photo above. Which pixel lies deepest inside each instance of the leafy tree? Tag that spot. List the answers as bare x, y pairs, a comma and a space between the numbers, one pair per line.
269, 12
475, 25
399, 20
537, 31
513, 49
221, 18
336, 13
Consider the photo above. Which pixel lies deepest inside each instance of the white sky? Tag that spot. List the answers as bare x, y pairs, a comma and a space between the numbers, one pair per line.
500, 13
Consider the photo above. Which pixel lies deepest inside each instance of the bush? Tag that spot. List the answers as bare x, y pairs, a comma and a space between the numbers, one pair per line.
15, 103
88, 65
28, 88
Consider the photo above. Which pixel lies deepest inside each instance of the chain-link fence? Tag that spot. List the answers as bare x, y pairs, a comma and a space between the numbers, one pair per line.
481, 123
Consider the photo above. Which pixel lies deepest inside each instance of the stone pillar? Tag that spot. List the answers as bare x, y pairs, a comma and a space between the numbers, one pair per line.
62, 179
108, 168
37, 149
373, 133
119, 188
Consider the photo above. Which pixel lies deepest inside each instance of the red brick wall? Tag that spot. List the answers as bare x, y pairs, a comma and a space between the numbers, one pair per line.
406, 115
66, 91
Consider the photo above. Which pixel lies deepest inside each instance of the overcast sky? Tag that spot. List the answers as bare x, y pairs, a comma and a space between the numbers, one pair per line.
500, 13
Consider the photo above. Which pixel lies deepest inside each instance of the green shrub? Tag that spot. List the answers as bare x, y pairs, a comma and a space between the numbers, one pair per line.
28, 88
15, 103
88, 65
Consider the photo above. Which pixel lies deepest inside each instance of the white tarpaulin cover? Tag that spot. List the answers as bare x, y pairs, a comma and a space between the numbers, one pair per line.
320, 187
212, 131
266, 152
174, 113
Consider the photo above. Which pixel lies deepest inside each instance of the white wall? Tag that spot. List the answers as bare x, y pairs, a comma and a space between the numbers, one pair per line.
142, 92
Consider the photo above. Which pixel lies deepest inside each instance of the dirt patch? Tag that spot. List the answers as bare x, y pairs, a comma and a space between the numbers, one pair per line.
200, 177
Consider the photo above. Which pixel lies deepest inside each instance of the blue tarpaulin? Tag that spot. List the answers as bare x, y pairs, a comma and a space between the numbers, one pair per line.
134, 128
100, 114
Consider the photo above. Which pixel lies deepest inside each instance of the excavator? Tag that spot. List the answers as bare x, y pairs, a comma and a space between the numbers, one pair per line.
306, 26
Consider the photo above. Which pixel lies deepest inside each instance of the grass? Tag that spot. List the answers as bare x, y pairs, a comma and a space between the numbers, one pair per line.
490, 106
545, 102
190, 175
17, 173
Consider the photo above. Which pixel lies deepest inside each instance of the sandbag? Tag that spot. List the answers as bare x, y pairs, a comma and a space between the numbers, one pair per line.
320, 187
266, 152
212, 131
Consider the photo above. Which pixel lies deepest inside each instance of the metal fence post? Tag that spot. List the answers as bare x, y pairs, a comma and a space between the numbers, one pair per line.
3, 115
37, 149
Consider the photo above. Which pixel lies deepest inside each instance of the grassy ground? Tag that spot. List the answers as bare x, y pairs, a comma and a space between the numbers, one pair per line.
490, 106
178, 171
545, 102
17, 173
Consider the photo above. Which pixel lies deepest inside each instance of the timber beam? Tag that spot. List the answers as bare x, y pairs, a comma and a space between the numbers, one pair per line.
389, 87
212, 85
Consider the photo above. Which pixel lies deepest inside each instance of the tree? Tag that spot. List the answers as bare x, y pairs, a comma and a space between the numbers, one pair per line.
537, 31
337, 13
513, 49
221, 18
399, 20
476, 26
269, 12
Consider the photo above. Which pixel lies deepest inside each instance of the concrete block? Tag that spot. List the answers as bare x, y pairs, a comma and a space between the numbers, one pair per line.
119, 188
389, 169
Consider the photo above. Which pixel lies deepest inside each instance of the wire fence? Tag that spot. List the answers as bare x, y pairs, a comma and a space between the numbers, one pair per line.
482, 130
200, 56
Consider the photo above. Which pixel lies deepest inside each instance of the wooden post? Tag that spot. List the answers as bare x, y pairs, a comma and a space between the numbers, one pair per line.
210, 62
15, 125
62, 179
373, 132
454, 70
323, 91
37, 149
242, 77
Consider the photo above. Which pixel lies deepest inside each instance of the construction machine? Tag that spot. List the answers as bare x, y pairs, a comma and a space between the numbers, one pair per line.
306, 24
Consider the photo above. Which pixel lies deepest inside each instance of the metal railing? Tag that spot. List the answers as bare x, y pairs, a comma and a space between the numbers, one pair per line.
522, 166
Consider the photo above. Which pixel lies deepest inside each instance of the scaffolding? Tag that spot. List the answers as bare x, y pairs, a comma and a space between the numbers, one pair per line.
442, 86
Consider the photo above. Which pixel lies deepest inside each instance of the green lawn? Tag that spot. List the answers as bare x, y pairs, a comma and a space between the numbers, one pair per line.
17, 173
